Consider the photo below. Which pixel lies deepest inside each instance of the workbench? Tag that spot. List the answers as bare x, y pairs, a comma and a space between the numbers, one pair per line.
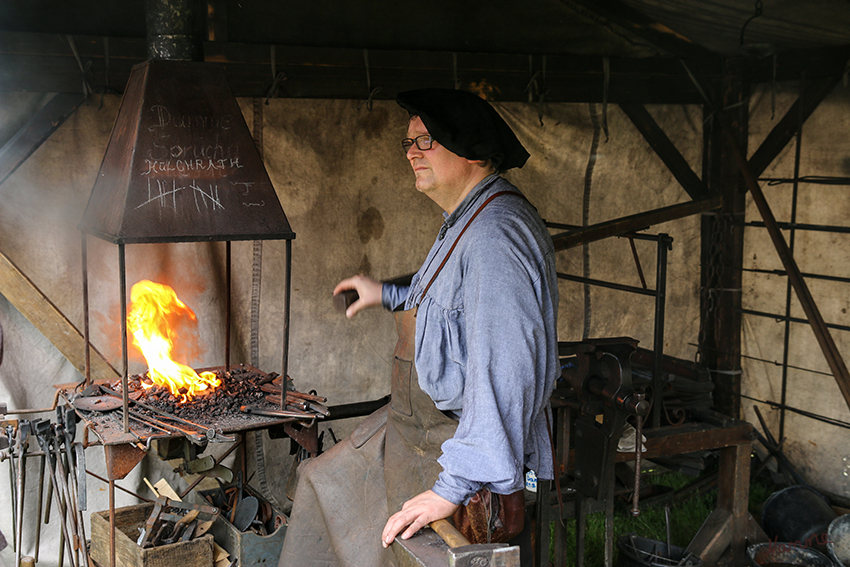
727, 529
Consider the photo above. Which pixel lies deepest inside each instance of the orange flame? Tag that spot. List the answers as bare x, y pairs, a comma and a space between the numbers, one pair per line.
154, 308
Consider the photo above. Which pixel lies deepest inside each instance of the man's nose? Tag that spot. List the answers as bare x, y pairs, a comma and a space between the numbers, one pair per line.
413, 152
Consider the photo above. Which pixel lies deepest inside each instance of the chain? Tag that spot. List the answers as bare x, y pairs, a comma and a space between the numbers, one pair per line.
708, 294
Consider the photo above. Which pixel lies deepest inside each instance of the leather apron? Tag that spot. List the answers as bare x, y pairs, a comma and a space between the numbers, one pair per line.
416, 429
345, 495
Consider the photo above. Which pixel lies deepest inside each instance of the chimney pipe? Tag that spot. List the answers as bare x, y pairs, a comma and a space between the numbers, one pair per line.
175, 29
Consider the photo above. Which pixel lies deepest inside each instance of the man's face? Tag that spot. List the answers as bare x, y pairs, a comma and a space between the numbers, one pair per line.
439, 172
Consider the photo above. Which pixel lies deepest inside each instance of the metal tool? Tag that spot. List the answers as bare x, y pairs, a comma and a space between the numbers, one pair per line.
80, 462
167, 511
154, 423
344, 299
23, 431
151, 522
246, 512
98, 403
238, 496
181, 525
10, 434
635, 511
44, 437
67, 422
206, 433
276, 413
41, 466
66, 482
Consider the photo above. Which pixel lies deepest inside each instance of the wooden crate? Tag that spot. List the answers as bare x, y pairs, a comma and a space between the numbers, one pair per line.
195, 553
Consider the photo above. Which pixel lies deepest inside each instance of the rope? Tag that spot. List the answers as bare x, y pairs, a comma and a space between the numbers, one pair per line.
256, 287
454, 68
585, 214
606, 74
87, 90
534, 89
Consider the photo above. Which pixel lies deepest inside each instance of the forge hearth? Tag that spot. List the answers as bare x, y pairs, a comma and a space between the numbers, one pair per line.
240, 386
221, 410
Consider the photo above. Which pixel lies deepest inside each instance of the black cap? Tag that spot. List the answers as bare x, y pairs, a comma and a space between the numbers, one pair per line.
466, 125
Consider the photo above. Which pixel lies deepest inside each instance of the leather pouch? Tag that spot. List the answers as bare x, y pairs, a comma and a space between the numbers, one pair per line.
491, 518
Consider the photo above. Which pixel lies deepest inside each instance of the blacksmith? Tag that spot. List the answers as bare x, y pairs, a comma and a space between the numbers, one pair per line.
471, 385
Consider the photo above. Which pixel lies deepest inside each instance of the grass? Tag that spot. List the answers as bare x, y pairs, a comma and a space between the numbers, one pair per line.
687, 514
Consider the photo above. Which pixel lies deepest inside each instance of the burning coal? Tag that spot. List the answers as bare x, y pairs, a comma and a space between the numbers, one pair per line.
154, 310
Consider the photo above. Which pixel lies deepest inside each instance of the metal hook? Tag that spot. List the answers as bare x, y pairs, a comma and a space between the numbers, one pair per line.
372, 92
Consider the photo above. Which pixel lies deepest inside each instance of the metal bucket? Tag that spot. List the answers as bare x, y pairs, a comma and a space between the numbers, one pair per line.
778, 553
797, 514
636, 551
838, 540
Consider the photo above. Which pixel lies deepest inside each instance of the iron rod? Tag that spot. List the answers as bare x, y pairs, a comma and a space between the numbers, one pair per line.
804, 413
635, 235
792, 319
773, 362
658, 335
803, 226
229, 304
807, 179
804, 274
792, 237
637, 262
122, 276
87, 338
112, 522
142, 498
286, 304
610, 285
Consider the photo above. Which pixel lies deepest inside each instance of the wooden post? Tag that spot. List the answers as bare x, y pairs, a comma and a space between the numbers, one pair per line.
723, 247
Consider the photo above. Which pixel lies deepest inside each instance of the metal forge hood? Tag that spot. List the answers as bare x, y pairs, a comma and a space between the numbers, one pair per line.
181, 165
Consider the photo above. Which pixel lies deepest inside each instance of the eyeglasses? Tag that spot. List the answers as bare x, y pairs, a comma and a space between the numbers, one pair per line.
423, 142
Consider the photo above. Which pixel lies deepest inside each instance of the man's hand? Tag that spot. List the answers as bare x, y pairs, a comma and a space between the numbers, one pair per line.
415, 514
368, 289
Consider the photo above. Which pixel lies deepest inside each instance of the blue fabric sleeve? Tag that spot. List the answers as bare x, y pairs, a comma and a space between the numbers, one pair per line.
393, 296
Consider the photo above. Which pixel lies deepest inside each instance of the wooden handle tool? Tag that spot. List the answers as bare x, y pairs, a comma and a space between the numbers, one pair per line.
449, 533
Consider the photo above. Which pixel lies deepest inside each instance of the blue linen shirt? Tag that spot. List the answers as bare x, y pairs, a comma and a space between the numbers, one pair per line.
486, 340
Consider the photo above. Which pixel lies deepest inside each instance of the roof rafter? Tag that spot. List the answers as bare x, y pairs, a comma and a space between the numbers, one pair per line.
648, 29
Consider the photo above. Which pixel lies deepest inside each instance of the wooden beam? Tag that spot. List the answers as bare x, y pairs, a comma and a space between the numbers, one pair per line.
36, 131
652, 31
39, 63
816, 63
633, 223
666, 150
786, 128
822, 334
49, 320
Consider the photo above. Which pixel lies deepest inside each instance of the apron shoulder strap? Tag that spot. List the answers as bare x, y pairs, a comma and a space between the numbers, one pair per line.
449, 253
